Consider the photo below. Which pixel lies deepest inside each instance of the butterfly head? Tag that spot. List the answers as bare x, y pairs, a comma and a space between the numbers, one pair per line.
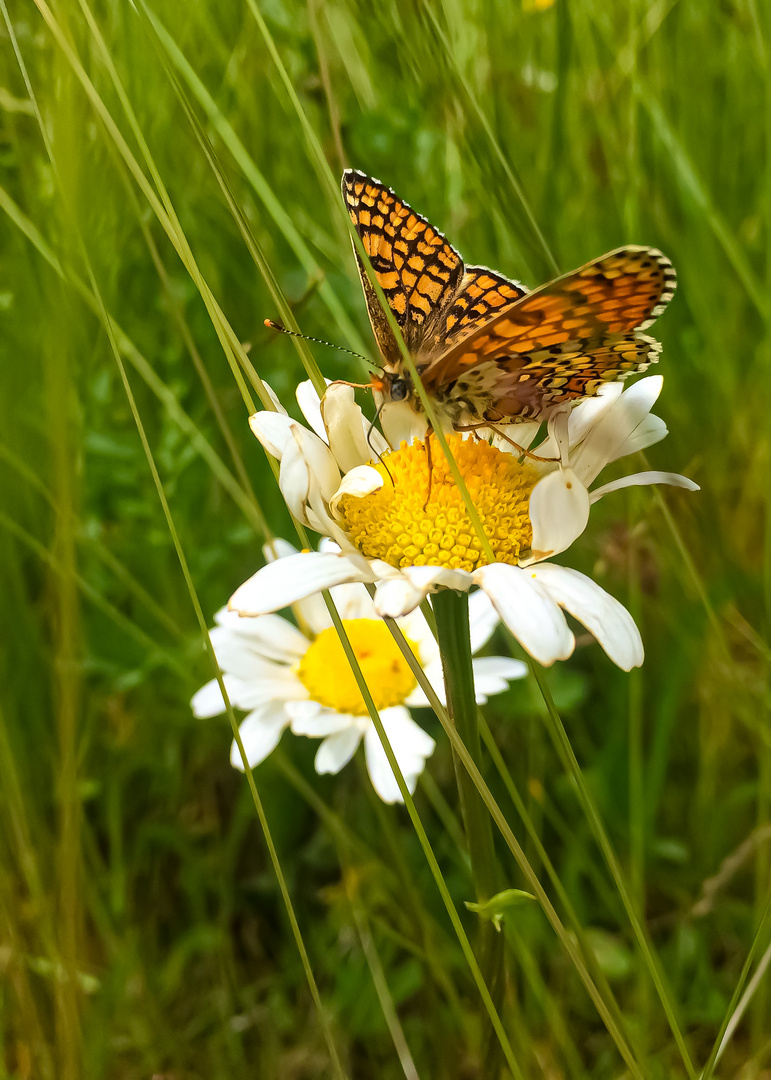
393, 385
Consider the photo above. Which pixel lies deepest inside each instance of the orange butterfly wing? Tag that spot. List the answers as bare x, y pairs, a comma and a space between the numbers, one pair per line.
561, 340
416, 267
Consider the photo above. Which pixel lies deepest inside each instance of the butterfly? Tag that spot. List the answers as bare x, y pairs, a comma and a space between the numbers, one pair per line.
485, 348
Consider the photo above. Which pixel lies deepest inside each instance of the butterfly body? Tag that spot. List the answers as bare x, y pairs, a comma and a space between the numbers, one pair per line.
485, 348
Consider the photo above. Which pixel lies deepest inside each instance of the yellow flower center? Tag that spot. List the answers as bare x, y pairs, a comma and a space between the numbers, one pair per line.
419, 518
326, 673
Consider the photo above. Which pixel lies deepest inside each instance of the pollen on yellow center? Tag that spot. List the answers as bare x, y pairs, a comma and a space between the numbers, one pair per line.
419, 517
326, 673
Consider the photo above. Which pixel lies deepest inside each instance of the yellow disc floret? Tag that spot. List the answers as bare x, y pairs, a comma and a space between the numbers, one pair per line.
326, 673
419, 518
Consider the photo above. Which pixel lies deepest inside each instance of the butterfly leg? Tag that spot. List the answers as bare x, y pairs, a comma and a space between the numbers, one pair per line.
355, 385
503, 435
430, 462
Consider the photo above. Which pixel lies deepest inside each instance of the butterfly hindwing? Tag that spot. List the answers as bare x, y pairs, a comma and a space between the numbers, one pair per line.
416, 267
549, 377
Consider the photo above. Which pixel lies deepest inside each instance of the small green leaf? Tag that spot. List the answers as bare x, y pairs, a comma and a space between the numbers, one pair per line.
497, 906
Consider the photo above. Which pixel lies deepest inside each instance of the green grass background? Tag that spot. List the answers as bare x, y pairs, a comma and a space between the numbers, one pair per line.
182, 188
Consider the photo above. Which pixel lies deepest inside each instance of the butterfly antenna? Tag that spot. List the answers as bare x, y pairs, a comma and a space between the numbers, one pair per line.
293, 333
378, 455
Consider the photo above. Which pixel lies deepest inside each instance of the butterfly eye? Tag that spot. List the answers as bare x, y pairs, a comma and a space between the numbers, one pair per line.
399, 390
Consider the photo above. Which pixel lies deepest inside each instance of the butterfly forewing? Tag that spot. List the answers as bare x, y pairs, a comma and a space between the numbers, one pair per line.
417, 269
576, 315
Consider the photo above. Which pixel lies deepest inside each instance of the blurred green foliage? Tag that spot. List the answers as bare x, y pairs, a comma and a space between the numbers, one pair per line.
142, 930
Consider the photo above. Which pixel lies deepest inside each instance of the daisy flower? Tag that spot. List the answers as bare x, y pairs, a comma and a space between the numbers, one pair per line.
301, 679
402, 524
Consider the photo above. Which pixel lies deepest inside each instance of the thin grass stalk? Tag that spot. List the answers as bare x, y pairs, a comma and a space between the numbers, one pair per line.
539, 247
116, 616
614, 1027
257, 182
19, 841
431, 933
245, 500
164, 211
252, 245
571, 766
380, 983
425, 843
638, 810
99, 550
65, 640
745, 1001
587, 952
331, 1047
550, 1008
177, 314
733, 1013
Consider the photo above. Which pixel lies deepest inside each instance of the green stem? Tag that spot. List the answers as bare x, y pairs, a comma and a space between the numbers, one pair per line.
452, 625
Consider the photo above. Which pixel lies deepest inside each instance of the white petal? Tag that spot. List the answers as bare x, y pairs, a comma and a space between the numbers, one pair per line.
374, 439
559, 423
259, 691
277, 548
430, 578
404, 590
325, 475
300, 711
483, 619
411, 746
353, 602
607, 437
273, 429
271, 636
312, 613
643, 479
492, 675
586, 414
559, 511
208, 701
309, 403
294, 479
280, 584
433, 672
400, 423
396, 597
324, 722
239, 656
260, 733
499, 667
274, 398
601, 613
338, 749
343, 421
528, 610
415, 627
648, 433
321, 521
358, 482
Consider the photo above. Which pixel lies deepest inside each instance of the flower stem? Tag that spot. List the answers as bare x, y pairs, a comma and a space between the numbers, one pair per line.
452, 625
